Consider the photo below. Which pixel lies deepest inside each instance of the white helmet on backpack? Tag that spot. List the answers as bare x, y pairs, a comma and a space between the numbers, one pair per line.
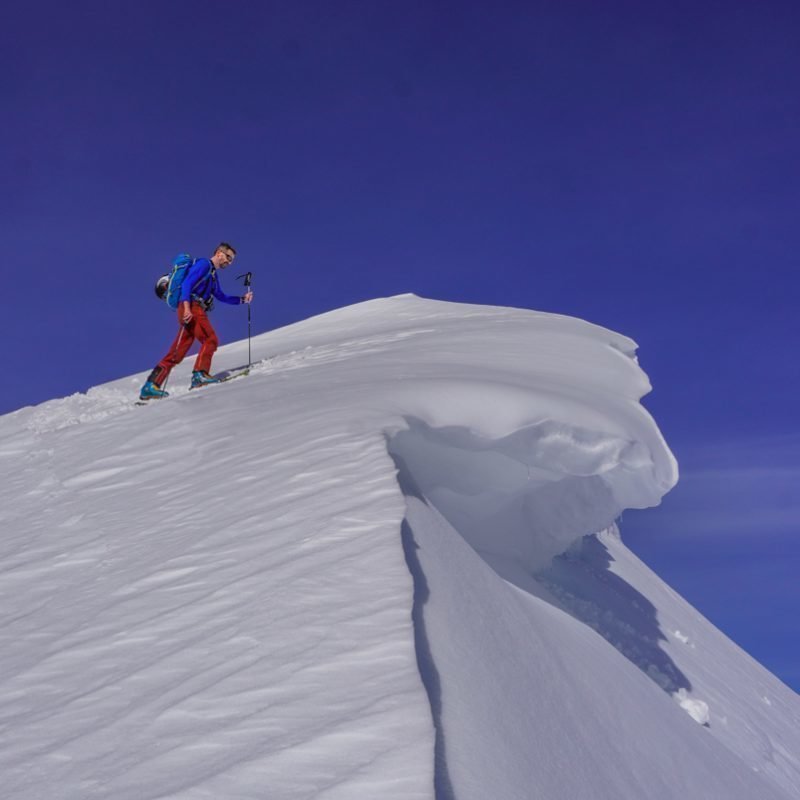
161, 286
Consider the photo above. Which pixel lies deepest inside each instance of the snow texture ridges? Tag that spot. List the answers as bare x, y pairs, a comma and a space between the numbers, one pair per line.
335, 578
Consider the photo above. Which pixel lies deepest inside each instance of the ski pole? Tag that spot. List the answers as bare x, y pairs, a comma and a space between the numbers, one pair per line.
248, 278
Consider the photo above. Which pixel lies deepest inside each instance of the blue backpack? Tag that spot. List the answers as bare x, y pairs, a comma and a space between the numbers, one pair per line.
168, 286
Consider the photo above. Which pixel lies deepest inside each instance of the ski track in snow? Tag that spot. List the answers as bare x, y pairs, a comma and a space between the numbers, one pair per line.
229, 594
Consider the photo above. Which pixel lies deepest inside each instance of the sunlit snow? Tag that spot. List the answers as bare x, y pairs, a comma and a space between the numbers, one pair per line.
386, 564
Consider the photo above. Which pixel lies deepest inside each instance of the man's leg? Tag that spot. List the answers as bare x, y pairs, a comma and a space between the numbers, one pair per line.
207, 336
175, 354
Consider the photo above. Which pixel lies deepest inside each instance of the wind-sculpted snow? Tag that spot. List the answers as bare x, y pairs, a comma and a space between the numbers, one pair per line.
527, 496
335, 578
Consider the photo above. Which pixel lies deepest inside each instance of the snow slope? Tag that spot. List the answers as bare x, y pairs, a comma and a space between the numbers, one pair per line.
366, 570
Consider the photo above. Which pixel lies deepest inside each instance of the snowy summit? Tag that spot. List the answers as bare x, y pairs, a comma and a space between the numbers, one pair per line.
383, 565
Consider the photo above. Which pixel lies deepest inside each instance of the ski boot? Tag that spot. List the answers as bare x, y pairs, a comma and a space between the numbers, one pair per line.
202, 379
152, 391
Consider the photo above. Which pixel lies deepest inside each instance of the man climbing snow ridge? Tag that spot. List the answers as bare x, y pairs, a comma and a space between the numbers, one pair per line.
198, 289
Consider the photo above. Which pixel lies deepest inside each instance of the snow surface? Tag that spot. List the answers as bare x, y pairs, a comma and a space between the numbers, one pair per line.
384, 565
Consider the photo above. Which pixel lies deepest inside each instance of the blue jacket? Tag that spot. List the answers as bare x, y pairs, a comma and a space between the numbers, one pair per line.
201, 283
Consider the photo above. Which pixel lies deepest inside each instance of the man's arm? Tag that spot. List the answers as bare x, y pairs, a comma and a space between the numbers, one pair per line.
233, 300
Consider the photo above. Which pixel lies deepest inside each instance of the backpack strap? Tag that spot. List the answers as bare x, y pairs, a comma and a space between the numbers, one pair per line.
208, 280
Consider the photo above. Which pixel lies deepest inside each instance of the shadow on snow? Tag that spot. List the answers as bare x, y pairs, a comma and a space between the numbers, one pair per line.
507, 511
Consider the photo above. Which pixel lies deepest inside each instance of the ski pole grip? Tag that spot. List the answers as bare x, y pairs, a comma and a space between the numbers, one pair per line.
248, 278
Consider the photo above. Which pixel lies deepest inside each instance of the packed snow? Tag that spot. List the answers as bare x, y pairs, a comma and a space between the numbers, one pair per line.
386, 564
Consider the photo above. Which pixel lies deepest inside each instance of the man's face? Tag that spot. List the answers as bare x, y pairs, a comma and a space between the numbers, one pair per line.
223, 258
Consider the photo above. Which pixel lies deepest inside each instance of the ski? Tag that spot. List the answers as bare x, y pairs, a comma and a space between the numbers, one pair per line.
229, 375
222, 377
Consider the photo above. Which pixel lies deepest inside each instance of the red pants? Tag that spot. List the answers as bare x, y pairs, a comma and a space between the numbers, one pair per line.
199, 328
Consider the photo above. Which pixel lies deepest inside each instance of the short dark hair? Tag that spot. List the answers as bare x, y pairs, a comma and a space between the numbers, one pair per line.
225, 246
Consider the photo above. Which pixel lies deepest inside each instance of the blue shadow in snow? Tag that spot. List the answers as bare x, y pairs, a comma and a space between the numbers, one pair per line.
443, 787
427, 668
585, 587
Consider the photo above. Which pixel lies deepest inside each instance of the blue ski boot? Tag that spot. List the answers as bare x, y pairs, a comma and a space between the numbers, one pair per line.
152, 391
202, 379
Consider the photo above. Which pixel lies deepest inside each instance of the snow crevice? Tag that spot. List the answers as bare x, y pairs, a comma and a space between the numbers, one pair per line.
428, 671
527, 504
499, 539
518, 501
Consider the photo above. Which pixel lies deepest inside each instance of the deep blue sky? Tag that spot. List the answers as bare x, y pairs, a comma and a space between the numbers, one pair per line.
633, 164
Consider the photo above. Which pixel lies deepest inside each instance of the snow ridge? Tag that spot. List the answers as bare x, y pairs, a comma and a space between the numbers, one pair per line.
372, 580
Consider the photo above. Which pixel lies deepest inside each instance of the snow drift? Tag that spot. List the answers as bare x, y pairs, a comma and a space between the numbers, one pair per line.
383, 565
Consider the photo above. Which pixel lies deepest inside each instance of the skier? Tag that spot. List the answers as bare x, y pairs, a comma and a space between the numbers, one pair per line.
198, 289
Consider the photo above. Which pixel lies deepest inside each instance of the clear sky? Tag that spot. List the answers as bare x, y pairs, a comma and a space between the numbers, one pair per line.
633, 164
